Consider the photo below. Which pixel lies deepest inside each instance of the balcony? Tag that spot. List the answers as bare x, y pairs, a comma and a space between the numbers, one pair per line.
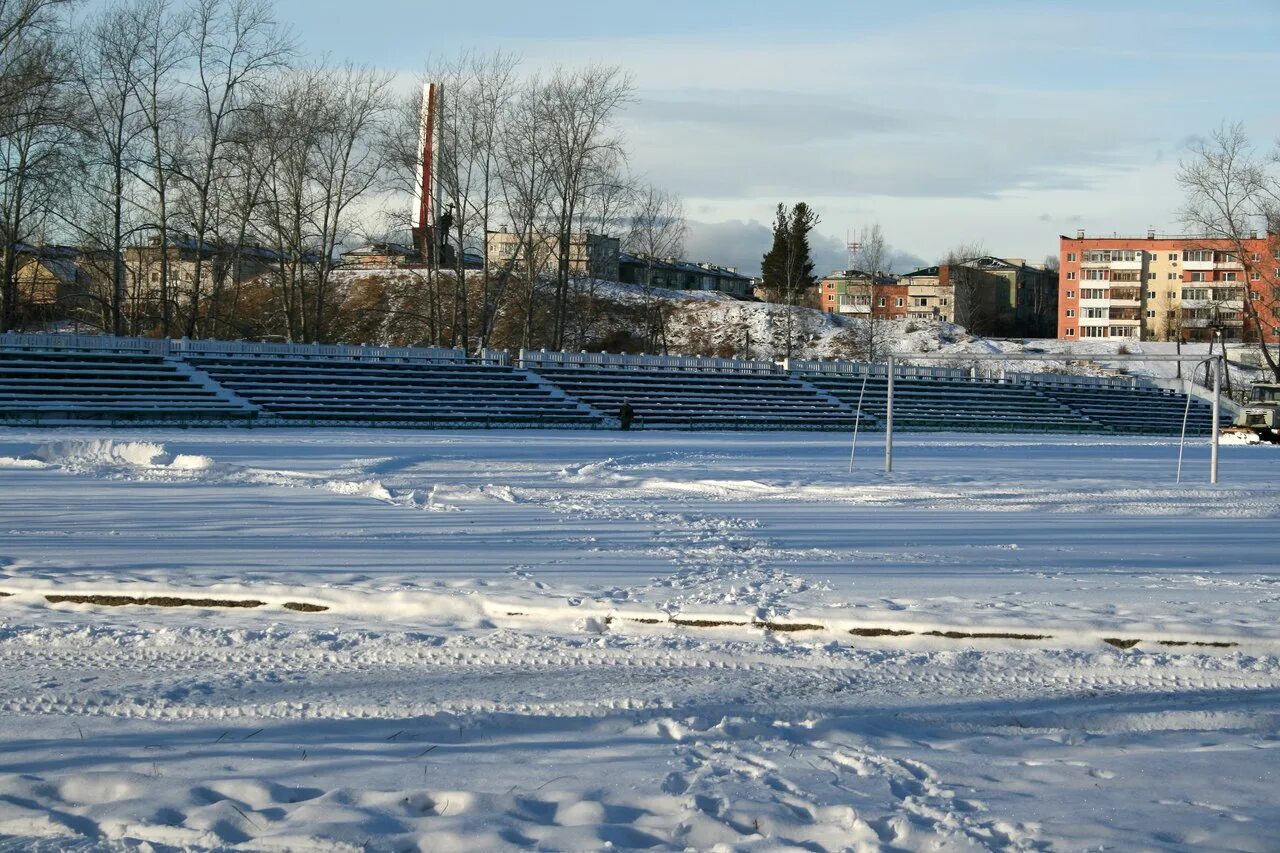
1205, 323
1095, 303
1221, 304
1198, 266
1125, 265
847, 308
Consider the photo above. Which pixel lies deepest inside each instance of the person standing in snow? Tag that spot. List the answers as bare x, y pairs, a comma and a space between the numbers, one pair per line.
625, 414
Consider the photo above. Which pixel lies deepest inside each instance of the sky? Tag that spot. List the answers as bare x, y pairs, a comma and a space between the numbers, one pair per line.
1002, 124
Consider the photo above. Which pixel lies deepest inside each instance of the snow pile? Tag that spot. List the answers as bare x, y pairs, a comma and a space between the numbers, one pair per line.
99, 454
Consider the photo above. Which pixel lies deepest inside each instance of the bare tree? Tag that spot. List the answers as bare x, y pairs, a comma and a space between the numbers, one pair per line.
526, 201
575, 109
658, 229
972, 289
38, 132
236, 44
1232, 193
164, 48
109, 67
872, 259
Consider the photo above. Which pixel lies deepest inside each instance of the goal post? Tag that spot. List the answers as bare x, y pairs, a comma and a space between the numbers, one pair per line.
1217, 360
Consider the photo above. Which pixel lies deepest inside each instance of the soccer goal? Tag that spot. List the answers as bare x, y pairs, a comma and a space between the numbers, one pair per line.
1215, 360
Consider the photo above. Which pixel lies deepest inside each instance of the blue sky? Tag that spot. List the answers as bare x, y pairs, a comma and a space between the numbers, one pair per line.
1004, 123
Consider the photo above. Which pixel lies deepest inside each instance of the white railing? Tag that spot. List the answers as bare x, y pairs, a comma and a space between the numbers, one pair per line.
93, 343
436, 355
622, 361
1066, 379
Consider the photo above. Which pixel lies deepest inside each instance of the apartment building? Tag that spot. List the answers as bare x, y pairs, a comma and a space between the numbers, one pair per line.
853, 293
590, 255
992, 296
675, 274
1165, 288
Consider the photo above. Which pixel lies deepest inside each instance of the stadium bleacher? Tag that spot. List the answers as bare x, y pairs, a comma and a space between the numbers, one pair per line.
54, 379
692, 393
956, 404
68, 379
365, 386
1138, 410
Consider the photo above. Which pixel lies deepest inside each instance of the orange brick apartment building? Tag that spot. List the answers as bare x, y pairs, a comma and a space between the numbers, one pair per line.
1165, 288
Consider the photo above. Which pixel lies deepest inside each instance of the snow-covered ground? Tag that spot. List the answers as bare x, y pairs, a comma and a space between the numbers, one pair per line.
574, 640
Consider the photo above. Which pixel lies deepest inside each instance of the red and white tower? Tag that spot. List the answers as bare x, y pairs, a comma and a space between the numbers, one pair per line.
426, 201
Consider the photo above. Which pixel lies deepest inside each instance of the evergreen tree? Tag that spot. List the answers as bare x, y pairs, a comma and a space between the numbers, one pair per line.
787, 268
773, 268
800, 277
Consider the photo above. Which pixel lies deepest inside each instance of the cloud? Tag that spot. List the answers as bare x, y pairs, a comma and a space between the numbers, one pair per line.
742, 244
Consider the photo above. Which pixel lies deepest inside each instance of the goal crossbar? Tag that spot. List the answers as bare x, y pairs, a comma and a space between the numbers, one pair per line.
1218, 362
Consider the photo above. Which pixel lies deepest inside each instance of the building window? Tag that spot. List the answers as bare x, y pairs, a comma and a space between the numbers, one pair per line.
1197, 255
1151, 294
1151, 275
1071, 333
1151, 315
1255, 276
1198, 276
1173, 256
1172, 294
1228, 276
1071, 312
1173, 276
1093, 293
1096, 275
1071, 294
1255, 257
881, 302
1071, 256
899, 302
1071, 276
1095, 313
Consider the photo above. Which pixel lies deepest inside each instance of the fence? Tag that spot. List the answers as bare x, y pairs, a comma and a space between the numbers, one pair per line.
543, 358
90, 343
352, 352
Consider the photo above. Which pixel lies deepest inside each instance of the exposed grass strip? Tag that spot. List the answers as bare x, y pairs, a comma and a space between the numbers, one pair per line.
1119, 643
304, 607
789, 627
152, 601
709, 623
1200, 644
961, 635
879, 632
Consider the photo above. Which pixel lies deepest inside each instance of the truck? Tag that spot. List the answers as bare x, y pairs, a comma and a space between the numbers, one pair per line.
1260, 417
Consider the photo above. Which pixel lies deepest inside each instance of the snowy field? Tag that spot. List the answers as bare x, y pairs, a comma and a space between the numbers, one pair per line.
576, 640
